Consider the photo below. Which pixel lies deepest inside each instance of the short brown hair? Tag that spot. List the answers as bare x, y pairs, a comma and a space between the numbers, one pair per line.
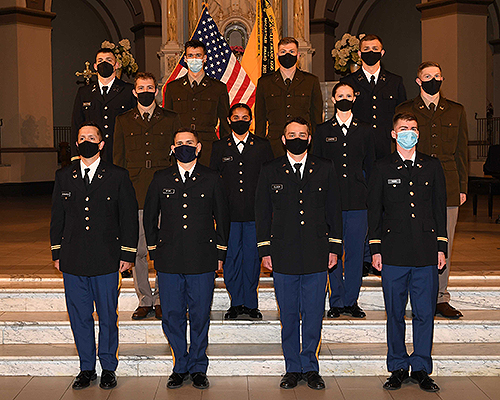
427, 64
369, 37
106, 51
339, 85
144, 75
300, 121
188, 130
404, 116
288, 40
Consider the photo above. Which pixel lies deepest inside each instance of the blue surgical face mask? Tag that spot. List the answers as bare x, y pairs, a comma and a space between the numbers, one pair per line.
407, 139
195, 64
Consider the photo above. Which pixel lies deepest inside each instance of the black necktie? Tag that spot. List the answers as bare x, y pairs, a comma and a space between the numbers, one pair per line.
104, 90
297, 170
288, 81
145, 117
372, 82
432, 107
186, 176
344, 129
86, 179
409, 164
195, 84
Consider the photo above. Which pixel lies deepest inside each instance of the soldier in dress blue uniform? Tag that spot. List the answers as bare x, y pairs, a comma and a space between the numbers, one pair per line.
102, 102
299, 236
408, 241
93, 233
200, 101
239, 158
187, 249
349, 143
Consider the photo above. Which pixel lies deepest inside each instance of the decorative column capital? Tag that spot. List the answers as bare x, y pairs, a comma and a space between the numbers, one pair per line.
439, 8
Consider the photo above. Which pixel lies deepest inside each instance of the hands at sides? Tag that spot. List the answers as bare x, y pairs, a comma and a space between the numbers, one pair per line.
124, 265
267, 263
377, 261
332, 261
441, 260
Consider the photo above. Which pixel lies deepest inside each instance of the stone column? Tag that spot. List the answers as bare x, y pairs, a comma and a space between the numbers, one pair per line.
172, 15
454, 33
298, 23
323, 39
26, 100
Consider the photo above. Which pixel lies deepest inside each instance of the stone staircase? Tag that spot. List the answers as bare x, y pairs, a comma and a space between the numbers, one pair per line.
36, 338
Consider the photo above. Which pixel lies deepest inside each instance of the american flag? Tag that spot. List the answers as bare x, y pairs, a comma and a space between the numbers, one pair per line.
221, 63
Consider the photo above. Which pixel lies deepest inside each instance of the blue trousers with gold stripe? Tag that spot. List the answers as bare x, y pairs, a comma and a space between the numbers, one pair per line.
422, 284
178, 293
301, 296
81, 293
242, 265
345, 282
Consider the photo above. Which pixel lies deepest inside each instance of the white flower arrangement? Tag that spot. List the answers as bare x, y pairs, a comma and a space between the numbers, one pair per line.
346, 51
123, 56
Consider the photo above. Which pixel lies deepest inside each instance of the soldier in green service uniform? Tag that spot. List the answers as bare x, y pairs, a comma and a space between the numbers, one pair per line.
285, 94
142, 142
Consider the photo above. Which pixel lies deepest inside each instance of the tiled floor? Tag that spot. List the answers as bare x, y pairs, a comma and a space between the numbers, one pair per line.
247, 388
24, 238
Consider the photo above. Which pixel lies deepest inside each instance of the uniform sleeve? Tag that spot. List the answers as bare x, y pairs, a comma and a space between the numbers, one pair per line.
222, 113
167, 98
260, 111
119, 145
461, 157
317, 143
76, 120
334, 212
56, 220
375, 210
129, 222
176, 125
151, 215
316, 105
369, 154
439, 207
263, 214
401, 91
215, 158
222, 219
268, 152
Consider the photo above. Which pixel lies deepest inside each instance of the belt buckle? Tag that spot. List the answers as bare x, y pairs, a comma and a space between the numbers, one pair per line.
148, 164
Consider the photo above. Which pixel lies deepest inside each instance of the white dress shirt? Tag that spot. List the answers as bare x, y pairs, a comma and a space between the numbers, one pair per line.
239, 146
369, 75
293, 162
346, 123
108, 85
182, 171
93, 168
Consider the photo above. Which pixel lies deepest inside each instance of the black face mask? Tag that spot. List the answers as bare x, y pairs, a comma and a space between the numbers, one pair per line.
431, 87
146, 98
287, 60
88, 149
344, 105
185, 153
296, 146
105, 69
371, 57
240, 127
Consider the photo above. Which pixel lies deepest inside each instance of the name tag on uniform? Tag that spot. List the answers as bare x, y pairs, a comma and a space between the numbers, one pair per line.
393, 181
331, 139
168, 191
87, 104
277, 186
227, 159
65, 194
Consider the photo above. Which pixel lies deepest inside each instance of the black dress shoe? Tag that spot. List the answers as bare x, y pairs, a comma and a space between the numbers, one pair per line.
396, 379
83, 379
200, 380
253, 312
367, 267
233, 312
142, 312
448, 311
176, 380
314, 380
424, 381
334, 312
108, 379
355, 311
289, 380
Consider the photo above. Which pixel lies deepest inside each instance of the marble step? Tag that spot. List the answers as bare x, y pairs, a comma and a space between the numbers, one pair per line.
24, 297
339, 359
477, 326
